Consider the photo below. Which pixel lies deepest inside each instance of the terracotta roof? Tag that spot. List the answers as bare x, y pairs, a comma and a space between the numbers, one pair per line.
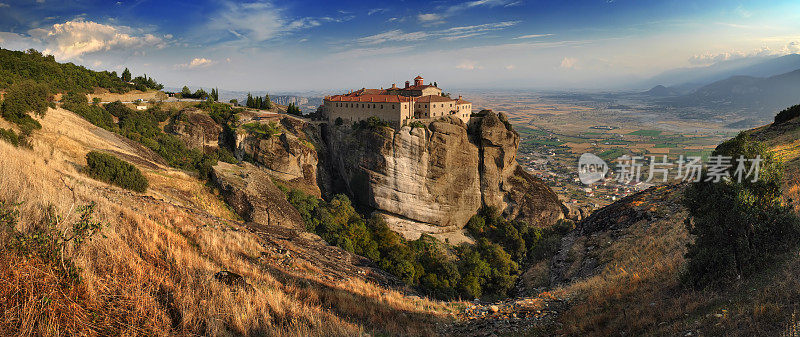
370, 92
462, 101
369, 98
434, 99
418, 78
418, 87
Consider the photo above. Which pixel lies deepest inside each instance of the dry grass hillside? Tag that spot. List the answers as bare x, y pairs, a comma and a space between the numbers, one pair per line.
152, 270
622, 272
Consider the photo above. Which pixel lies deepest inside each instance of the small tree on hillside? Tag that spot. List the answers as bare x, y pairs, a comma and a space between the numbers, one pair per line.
267, 102
126, 75
737, 226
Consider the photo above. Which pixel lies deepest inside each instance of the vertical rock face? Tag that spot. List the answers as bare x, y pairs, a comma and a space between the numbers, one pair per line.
432, 180
426, 175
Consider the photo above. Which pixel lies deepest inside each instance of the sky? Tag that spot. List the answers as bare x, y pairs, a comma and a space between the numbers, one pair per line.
305, 45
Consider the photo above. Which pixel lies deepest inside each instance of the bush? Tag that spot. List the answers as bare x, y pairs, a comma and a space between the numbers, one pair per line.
110, 169
23, 98
787, 114
11, 137
738, 226
417, 124
339, 121
79, 104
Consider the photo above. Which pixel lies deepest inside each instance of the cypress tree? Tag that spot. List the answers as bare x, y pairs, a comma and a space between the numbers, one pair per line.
267, 102
126, 75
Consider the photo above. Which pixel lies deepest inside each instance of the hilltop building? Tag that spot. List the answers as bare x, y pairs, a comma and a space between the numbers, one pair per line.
396, 105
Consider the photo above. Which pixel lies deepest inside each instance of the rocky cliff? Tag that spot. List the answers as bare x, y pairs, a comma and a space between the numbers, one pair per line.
196, 128
432, 179
288, 154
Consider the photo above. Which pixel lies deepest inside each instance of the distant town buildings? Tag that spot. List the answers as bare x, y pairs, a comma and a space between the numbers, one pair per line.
397, 105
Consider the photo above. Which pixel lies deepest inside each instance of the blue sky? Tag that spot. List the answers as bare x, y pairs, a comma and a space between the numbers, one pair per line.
327, 45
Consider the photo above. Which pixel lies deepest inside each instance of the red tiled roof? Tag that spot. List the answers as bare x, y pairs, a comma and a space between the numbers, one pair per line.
416, 87
369, 98
418, 78
369, 92
434, 99
462, 101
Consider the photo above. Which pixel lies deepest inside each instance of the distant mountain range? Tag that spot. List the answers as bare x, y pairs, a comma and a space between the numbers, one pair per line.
762, 97
685, 80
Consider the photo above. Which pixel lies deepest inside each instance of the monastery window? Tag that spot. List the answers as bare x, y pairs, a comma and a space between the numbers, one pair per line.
392, 106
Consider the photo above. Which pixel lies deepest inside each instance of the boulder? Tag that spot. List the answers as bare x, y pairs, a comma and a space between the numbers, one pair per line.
253, 196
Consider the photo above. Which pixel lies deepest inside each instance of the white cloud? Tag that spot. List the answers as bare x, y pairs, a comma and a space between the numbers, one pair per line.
261, 20
791, 48
257, 21
368, 52
3, 4
72, 39
430, 18
453, 33
510, 67
533, 36
197, 62
376, 11
469, 65
392, 36
711, 58
569, 63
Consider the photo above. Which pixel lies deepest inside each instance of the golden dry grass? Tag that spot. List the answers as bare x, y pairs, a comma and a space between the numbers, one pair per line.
637, 289
152, 272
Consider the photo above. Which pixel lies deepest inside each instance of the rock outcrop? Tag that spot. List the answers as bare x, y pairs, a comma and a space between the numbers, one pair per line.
251, 193
286, 155
197, 129
433, 179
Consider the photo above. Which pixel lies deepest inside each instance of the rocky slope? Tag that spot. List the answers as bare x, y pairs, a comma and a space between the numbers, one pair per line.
433, 179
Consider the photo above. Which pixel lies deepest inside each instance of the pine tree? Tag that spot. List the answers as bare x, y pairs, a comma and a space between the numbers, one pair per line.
258, 102
126, 75
185, 92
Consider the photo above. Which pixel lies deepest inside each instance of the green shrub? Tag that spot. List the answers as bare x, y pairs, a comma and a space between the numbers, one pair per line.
738, 226
23, 98
79, 104
417, 124
110, 169
11, 137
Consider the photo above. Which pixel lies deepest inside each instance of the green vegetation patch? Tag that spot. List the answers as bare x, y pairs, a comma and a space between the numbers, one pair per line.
646, 133
110, 169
